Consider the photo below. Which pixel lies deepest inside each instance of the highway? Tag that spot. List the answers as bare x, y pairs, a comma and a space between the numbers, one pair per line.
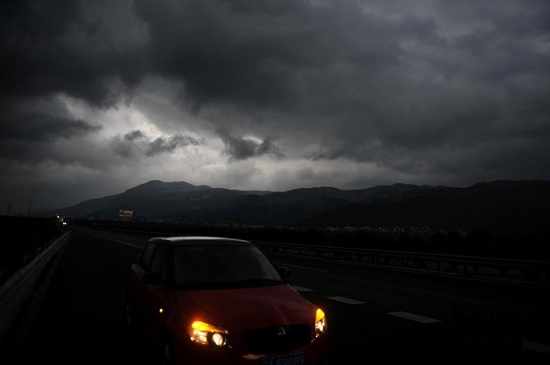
375, 316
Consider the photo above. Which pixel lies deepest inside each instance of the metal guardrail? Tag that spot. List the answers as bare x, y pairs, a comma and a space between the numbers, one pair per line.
522, 272
20, 286
525, 272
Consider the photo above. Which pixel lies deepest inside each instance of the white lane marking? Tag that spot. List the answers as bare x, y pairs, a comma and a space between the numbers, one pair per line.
528, 345
535, 346
114, 240
414, 317
300, 288
302, 267
345, 300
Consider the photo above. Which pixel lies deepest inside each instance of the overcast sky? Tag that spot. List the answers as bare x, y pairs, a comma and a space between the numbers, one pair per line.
100, 96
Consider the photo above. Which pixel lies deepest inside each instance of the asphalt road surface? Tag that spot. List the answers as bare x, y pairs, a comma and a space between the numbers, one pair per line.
375, 316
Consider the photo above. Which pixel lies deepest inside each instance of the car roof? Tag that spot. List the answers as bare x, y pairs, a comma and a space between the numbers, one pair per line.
202, 240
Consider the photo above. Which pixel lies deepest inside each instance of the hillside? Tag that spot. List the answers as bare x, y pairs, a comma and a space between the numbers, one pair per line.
514, 207
184, 202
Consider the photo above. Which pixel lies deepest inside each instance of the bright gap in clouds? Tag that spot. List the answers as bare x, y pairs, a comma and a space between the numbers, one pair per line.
123, 152
114, 121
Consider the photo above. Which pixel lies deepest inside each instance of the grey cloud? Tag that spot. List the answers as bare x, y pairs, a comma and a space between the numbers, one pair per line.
40, 119
451, 91
136, 143
125, 146
35, 127
269, 147
162, 145
31, 129
133, 135
242, 148
47, 49
240, 52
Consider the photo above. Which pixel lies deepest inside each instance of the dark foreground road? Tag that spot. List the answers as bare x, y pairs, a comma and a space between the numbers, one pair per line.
375, 317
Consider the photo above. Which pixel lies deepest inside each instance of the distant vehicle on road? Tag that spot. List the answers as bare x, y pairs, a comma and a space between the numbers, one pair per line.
216, 300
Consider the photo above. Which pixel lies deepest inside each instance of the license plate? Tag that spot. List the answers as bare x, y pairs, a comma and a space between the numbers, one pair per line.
294, 359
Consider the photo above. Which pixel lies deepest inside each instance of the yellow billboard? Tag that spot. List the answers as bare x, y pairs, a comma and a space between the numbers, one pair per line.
125, 213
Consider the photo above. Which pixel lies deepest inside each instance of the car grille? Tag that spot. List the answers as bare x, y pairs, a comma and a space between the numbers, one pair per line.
279, 338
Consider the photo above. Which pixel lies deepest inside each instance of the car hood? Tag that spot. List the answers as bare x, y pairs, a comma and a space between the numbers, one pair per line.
246, 308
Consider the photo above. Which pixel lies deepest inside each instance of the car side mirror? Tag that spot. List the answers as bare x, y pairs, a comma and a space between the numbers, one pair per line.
284, 271
153, 277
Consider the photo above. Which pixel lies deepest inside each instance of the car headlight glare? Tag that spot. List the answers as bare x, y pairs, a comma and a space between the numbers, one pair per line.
205, 334
320, 322
218, 339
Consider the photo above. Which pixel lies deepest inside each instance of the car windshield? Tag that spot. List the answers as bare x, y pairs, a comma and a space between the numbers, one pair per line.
223, 265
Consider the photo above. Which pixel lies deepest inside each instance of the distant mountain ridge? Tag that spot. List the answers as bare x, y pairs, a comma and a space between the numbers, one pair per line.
497, 205
182, 201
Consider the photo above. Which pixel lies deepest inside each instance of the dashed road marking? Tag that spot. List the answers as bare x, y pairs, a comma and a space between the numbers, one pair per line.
346, 300
115, 240
414, 317
535, 346
527, 345
300, 288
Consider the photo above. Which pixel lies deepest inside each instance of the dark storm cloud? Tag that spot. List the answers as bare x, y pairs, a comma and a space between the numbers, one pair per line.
133, 135
126, 145
363, 75
229, 51
451, 92
263, 54
242, 148
30, 127
33, 127
136, 144
162, 145
67, 48
49, 48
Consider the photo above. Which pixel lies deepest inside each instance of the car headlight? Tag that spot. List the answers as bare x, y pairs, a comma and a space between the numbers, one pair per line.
320, 322
207, 334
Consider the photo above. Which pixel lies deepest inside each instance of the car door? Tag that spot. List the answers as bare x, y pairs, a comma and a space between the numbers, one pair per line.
137, 297
154, 295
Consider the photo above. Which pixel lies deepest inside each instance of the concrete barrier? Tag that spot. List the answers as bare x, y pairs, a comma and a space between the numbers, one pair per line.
20, 286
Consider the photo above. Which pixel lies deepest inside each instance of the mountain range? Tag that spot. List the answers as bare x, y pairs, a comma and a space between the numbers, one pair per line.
497, 206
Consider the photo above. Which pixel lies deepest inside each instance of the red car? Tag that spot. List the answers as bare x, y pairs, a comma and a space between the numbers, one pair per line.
215, 300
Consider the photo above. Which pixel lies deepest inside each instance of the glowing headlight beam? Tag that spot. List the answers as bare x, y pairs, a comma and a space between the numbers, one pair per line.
320, 322
204, 334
